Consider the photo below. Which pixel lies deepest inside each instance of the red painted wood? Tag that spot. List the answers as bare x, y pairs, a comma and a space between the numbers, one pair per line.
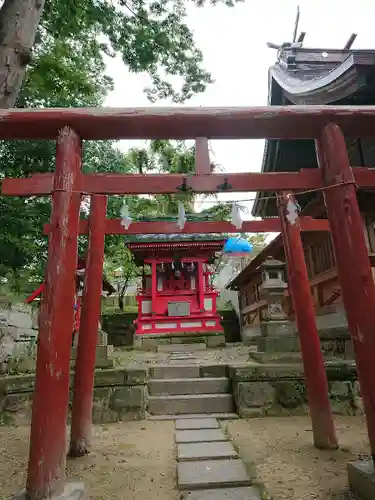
272, 225
273, 122
313, 362
50, 403
88, 333
202, 156
353, 265
153, 285
200, 285
305, 179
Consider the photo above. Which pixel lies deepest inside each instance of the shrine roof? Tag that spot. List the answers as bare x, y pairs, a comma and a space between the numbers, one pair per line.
173, 238
313, 76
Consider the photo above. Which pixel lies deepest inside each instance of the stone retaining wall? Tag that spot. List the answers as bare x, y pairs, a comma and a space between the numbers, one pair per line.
119, 394
275, 390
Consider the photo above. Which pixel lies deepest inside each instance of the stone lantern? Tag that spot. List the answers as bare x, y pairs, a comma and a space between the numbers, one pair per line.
278, 341
272, 289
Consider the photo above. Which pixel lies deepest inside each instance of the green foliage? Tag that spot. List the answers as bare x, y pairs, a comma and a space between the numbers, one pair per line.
151, 36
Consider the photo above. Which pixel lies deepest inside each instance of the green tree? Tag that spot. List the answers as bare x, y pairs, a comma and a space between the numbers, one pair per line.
150, 35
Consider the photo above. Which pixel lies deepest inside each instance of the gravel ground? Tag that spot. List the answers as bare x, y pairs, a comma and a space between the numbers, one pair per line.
136, 460
229, 354
132, 460
288, 464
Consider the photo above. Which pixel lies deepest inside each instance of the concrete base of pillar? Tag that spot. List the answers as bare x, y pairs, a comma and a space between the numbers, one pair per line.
70, 491
361, 478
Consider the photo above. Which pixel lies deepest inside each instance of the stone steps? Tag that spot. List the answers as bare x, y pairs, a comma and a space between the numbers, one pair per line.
190, 403
184, 386
208, 466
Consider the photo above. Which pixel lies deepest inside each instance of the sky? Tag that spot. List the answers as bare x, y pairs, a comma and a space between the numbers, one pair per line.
233, 42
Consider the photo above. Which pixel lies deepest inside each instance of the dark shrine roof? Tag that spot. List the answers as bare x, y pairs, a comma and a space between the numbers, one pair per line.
316, 77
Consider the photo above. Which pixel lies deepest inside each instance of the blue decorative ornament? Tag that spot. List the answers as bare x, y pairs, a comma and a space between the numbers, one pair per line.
237, 246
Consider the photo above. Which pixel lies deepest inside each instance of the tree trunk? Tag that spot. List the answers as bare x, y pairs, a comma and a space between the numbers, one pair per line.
19, 21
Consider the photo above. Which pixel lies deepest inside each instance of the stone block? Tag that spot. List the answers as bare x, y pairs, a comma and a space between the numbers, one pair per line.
340, 389
275, 357
180, 371
217, 340
217, 370
211, 473
205, 451
136, 376
277, 329
196, 423
15, 403
253, 395
158, 387
199, 436
341, 370
100, 405
128, 397
342, 407
290, 394
247, 372
192, 403
151, 344
361, 478
20, 319
109, 378
239, 493
277, 344
19, 383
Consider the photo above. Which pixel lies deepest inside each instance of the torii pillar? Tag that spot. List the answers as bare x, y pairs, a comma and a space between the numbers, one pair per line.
51, 396
352, 260
88, 331
312, 357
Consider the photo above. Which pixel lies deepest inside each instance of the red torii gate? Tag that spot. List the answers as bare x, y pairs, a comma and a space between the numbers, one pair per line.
326, 125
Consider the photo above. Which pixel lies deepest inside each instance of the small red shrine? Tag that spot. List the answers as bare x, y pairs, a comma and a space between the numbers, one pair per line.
176, 294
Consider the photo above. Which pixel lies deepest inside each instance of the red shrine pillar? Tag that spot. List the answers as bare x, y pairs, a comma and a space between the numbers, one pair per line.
153, 285
80, 433
50, 403
200, 285
352, 260
313, 362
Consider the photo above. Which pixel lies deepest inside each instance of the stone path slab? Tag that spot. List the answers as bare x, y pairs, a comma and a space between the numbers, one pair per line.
211, 473
199, 436
241, 493
219, 416
205, 451
196, 423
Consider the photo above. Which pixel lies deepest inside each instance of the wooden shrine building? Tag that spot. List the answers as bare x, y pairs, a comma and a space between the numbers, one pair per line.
176, 297
312, 77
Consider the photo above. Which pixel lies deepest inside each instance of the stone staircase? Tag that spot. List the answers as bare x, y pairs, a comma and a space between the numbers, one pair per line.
188, 390
208, 466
